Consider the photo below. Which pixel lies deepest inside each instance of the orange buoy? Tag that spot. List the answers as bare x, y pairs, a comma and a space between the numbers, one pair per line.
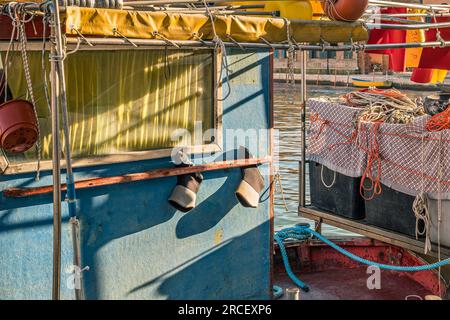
18, 126
345, 10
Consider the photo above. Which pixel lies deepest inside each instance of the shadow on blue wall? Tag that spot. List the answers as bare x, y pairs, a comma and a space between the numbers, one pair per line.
204, 274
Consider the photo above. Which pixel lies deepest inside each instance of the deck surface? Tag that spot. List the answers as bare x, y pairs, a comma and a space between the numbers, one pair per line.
351, 284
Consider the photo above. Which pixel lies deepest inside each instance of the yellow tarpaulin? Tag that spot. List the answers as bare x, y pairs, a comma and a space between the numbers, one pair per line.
177, 26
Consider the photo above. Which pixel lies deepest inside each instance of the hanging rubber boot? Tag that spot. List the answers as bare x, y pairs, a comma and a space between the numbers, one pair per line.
251, 185
184, 195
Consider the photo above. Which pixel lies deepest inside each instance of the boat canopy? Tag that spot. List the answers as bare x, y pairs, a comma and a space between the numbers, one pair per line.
184, 26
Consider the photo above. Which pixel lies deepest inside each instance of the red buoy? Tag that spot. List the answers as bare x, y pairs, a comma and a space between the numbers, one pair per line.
18, 126
345, 10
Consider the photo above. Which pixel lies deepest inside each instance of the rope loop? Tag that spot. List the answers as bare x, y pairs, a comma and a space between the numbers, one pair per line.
333, 182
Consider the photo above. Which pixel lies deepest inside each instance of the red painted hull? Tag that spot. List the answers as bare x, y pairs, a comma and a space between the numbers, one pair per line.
33, 29
332, 275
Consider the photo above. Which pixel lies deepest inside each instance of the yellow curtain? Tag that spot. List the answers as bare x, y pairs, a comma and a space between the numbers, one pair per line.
124, 100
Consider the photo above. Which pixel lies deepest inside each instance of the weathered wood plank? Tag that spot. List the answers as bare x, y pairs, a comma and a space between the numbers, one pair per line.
133, 177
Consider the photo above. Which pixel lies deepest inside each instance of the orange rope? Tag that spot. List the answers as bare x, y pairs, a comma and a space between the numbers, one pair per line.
371, 174
374, 158
439, 122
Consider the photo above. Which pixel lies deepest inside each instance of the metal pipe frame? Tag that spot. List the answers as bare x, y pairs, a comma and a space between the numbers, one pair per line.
381, 3
219, 11
70, 180
371, 2
171, 2
56, 157
303, 98
169, 8
141, 4
416, 26
374, 19
405, 15
142, 43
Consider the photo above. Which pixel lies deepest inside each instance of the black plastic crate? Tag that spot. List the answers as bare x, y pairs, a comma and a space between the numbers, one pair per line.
392, 210
342, 198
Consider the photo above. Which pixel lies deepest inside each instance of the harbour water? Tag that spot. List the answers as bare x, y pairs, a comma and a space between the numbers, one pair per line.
287, 121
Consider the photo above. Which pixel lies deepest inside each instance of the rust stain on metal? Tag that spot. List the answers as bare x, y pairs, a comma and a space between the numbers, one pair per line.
218, 236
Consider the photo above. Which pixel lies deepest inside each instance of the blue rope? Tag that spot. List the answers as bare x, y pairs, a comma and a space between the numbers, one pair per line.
303, 232
277, 292
291, 233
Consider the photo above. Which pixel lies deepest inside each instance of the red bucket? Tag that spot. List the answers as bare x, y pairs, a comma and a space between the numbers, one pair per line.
18, 126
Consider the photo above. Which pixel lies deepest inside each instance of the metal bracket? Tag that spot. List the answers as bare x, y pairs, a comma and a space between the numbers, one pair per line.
75, 28
157, 34
267, 42
116, 31
235, 42
199, 38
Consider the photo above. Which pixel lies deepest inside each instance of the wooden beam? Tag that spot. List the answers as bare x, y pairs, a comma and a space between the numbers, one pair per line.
133, 177
359, 227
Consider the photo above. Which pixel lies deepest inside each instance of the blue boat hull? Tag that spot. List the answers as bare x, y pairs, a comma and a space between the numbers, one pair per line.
136, 245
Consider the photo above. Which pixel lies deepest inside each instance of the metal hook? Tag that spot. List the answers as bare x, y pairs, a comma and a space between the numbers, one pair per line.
295, 43
324, 43
267, 42
235, 42
354, 46
116, 31
74, 28
196, 36
440, 39
157, 34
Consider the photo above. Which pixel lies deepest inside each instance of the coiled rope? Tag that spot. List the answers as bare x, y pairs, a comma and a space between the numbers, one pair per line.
291, 233
304, 232
388, 106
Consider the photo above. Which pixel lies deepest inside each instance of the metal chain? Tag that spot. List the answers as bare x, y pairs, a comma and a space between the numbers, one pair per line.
43, 62
23, 49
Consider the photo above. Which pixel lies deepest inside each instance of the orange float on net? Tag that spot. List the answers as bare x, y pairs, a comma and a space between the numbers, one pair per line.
345, 10
18, 126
